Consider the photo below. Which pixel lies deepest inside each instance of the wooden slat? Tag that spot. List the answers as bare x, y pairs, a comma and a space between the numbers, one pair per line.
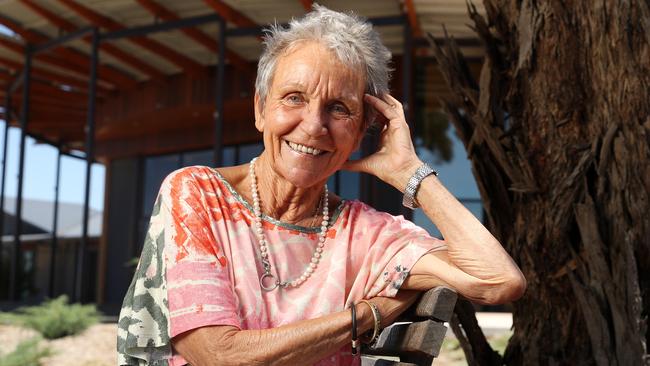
209, 42
437, 303
417, 339
190, 66
78, 59
41, 99
173, 119
107, 47
237, 130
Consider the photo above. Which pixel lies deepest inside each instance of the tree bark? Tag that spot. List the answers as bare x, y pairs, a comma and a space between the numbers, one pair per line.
558, 132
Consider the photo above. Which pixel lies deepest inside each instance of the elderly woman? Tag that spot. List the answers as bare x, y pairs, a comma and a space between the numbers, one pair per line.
261, 264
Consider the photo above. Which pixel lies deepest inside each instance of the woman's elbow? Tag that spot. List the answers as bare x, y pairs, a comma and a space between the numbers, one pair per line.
511, 289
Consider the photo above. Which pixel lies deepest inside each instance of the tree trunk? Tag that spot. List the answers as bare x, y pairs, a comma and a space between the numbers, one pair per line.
558, 132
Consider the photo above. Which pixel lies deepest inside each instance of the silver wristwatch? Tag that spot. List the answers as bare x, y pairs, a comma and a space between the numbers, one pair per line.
414, 183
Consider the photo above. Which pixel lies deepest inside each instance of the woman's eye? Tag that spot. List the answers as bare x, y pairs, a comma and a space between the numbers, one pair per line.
339, 109
294, 98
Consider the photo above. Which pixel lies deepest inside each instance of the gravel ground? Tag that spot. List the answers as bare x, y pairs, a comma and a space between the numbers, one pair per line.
94, 347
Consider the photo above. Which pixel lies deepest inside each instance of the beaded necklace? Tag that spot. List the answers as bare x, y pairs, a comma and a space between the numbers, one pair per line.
259, 231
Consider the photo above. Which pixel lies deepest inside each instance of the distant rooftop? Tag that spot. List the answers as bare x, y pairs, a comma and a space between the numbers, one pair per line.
38, 215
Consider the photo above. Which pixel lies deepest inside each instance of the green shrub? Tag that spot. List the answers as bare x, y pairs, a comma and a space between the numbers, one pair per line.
27, 353
56, 318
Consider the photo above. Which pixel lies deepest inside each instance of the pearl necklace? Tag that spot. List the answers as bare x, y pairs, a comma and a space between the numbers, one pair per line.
315, 258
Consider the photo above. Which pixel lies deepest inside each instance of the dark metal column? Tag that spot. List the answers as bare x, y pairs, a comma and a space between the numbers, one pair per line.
55, 222
16, 263
4, 175
407, 74
217, 159
90, 157
407, 78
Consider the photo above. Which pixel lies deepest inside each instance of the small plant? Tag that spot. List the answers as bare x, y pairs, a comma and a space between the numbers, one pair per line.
27, 353
56, 318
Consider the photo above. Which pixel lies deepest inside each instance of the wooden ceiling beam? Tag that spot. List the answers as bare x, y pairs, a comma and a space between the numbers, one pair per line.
231, 14
63, 134
116, 52
52, 76
38, 87
187, 64
44, 57
411, 14
307, 5
173, 119
41, 99
208, 42
108, 74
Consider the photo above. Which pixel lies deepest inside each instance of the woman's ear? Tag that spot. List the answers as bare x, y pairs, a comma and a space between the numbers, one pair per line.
259, 116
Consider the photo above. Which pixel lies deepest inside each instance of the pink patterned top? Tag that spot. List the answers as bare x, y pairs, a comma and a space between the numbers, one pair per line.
211, 255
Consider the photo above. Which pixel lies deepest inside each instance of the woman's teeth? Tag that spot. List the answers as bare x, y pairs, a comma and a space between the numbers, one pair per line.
304, 149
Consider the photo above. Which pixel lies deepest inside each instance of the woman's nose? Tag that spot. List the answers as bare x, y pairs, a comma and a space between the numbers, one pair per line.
314, 121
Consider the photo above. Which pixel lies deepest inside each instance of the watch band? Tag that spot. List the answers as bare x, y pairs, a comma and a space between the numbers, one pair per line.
414, 183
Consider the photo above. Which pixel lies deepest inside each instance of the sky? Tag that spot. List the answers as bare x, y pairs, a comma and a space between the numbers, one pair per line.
40, 173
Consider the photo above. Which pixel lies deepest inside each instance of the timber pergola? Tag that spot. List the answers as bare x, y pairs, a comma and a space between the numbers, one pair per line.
150, 90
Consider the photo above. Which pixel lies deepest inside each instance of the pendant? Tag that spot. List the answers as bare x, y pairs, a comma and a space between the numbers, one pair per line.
275, 284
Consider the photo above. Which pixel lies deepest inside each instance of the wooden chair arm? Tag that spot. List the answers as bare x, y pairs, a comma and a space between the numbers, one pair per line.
416, 342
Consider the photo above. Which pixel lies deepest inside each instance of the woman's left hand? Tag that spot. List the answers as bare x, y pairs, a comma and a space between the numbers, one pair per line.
395, 160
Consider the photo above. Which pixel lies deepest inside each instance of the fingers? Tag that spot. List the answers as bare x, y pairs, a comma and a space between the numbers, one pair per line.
388, 106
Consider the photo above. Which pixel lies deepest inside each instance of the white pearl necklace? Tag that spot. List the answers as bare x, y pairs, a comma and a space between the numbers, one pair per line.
264, 254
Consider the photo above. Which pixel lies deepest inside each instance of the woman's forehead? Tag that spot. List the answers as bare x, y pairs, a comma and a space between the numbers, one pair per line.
313, 66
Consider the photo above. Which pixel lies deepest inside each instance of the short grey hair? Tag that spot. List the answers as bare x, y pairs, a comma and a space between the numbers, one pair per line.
352, 39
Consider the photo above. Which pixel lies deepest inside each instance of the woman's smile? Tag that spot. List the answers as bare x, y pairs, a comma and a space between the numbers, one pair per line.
312, 118
304, 149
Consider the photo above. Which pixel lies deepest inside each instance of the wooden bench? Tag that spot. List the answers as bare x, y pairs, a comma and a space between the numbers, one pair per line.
416, 338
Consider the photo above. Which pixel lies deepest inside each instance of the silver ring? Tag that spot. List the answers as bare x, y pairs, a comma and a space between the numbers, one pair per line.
275, 282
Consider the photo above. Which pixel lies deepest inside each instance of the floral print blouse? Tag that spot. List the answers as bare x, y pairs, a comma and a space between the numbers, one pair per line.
200, 266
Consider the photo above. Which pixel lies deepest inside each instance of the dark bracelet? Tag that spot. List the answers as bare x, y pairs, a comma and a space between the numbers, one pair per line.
355, 341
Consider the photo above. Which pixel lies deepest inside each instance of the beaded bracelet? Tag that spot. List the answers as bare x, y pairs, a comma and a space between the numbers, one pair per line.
355, 342
377, 316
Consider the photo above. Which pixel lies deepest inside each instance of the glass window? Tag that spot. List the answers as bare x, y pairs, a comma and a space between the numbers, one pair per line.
156, 168
202, 157
350, 182
248, 152
229, 155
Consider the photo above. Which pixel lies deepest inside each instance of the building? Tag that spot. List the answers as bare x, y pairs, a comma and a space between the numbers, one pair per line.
145, 87
47, 275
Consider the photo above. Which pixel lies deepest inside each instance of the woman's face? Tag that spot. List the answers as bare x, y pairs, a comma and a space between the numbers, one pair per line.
313, 115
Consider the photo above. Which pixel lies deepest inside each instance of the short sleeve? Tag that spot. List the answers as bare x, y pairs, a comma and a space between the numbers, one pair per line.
199, 287
182, 281
393, 245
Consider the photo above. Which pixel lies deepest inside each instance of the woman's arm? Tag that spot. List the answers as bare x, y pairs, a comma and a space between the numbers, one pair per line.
300, 343
475, 263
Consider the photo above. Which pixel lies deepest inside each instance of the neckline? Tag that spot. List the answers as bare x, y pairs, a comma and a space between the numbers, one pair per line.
274, 221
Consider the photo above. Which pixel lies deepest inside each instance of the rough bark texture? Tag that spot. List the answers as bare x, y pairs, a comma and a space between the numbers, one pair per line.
558, 131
